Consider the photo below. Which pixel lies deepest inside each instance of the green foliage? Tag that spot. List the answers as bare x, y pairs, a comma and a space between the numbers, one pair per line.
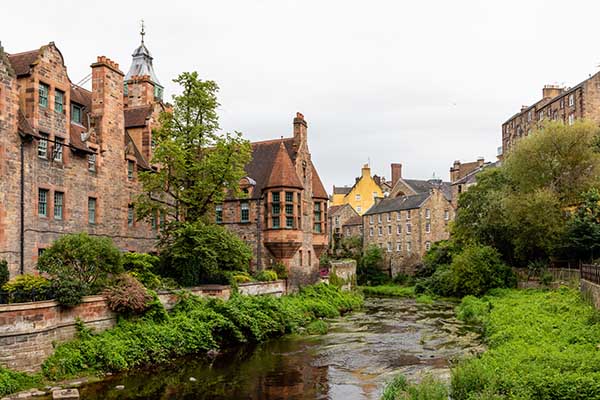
127, 295
389, 290
195, 326
541, 345
11, 381
26, 288
317, 327
428, 389
546, 278
200, 253
439, 255
241, 277
4, 274
197, 161
370, 269
582, 233
402, 279
143, 267
280, 270
81, 258
335, 280
266, 275
68, 293
349, 247
473, 310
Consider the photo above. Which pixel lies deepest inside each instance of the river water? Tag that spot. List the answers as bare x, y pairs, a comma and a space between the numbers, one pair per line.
353, 361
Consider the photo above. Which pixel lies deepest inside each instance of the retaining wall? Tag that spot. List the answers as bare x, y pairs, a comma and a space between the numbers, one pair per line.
591, 292
28, 330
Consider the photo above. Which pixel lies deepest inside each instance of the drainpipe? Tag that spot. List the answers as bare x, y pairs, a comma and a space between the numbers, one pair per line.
258, 233
22, 242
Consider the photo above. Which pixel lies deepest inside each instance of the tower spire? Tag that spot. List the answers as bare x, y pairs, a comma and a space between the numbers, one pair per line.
142, 32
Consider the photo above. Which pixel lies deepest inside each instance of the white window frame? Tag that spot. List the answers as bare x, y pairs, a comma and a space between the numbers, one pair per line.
427, 213
571, 100
59, 201
371, 219
389, 247
389, 229
357, 197
427, 227
58, 149
408, 214
399, 229
371, 231
398, 246
92, 206
42, 148
408, 228
428, 245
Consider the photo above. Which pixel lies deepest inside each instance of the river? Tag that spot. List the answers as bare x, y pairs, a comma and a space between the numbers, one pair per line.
352, 361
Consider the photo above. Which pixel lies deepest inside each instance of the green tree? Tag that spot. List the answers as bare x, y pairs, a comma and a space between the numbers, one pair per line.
370, 269
198, 166
4, 273
582, 233
200, 253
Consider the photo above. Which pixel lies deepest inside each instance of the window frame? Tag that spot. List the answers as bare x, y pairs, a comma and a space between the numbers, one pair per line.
42, 147
59, 205
244, 212
43, 94
219, 214
79, 113
59, 104
92, 211
43, 204
57, 154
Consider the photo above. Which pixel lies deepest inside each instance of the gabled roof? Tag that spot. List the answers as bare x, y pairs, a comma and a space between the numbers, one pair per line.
398, 203
81, 96
341, 190
319, 191
282, 173
356, 220
137, 116
21, 62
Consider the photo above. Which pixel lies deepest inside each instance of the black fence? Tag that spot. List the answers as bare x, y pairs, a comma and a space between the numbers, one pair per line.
25, 296
591, 273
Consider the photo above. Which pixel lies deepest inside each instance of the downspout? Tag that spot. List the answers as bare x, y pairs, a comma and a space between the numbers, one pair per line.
22, 241
258, 234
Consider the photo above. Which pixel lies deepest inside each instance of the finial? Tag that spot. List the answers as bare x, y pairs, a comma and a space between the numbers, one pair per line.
143, 32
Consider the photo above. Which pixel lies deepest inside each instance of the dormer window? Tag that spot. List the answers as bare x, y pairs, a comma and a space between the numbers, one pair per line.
76, 113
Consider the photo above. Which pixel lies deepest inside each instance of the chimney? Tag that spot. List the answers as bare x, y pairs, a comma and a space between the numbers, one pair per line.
480, 161
523, 108
396, 173
455, 171
300, 131
377, 180
550, 91
107, 104
366, 171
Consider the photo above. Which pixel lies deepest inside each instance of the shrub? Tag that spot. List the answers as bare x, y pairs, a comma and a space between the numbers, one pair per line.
241, 277
473, 310
266, 275
439, 256
428, 389
546, 278
479, 268
68, 293
401, 279
389, 290
317, 327
4, 274
26, 288
143, 266
127, 295
280, 269
201, 253
87, 260
370, 269
11, 381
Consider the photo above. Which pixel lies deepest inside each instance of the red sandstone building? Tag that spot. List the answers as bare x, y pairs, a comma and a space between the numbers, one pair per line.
283, 215
69, 157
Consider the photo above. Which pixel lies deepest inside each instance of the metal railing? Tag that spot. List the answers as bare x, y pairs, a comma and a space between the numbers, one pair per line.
590, 272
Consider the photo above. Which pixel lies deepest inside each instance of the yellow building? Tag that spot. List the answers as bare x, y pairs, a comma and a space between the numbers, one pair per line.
361, 196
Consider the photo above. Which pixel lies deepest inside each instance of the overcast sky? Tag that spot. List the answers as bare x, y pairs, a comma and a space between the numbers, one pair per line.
421, 83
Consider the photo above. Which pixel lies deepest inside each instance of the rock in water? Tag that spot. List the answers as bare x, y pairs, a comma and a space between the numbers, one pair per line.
65, 394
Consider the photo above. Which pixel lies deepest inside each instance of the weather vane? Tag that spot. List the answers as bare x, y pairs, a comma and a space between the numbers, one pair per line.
143, 32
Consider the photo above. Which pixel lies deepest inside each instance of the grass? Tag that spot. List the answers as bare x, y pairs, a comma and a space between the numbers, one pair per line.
389, 290
427, 389
541, 345
11, 381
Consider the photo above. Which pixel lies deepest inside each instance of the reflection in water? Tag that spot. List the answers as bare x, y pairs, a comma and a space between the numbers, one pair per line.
353, 361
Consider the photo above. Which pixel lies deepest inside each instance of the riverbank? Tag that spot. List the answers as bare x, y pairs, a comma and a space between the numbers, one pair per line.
195, 326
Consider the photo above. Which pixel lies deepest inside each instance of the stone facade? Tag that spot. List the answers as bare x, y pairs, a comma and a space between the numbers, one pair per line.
557, 103
361, 196
464, 175
70, 154
337, 217
283, 216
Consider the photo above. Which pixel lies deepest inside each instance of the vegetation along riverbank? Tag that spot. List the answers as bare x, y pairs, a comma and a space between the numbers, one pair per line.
195, 326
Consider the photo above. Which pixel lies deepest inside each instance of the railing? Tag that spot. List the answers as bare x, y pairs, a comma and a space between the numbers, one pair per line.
590, 273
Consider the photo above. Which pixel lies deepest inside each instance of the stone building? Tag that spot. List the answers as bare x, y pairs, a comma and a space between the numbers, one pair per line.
409, 221
338, 217
283, 215
557, 103
361, 196
69, 157
353, 227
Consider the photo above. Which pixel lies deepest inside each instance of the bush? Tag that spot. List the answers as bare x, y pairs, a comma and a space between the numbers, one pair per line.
280, 269
127, 295
473, 310
266, 275
439, 256
370, 269
11, 381
317, 327
4, 274
143, 267
201, 253
26, 288
68, 293
87, 260
546, 278
241, 277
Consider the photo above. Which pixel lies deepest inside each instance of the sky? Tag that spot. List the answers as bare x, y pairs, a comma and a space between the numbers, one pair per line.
422, 83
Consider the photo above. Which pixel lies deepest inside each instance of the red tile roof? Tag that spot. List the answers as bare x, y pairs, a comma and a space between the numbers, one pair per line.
283, 173
21, 62
319, 191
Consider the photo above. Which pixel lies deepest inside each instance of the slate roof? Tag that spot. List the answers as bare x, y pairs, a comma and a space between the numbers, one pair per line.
341, 190
137, 116
319, 191
356, 220
471, 177
398, 203
21, 62
422, 186
81, 96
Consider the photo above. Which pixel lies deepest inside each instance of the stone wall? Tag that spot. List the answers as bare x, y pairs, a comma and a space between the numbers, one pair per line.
28, 330
591, 292
346, 270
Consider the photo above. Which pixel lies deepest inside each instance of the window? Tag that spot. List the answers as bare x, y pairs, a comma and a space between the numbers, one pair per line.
427, 245
357, 197
244, 212
41, 251
317, 218
408, 247
130, 169
337, 221
541, 115
398, 215
380, 230
130, 215
43, 202
389, 246
571, 100
43, 90
347, 231
446, 215
571, 118
125, 89
529, 116
459, 188
275, 197
163, 219
58, 149
92, 162
398, 246
289, 216
371, 231
371, 219
219, 214
58, 205
358, 209
158, 91
562, 103
154, 222
408, 214
91, 210
408, 229
289, 197
389, 229
427, 213
389, 217
379, 218
399, 229
43, 146
428, 227
275, 210
76, 113
59, 101
309, 258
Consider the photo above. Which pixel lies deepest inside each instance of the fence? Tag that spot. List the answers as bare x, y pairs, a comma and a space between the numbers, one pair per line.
590, 273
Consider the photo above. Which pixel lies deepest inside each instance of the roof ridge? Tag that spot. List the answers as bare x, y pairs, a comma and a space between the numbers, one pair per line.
270, 141
22, 52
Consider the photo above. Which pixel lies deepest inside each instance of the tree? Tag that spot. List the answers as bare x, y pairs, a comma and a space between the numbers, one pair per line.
370, 269
197, 166
81, 263
582, 233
